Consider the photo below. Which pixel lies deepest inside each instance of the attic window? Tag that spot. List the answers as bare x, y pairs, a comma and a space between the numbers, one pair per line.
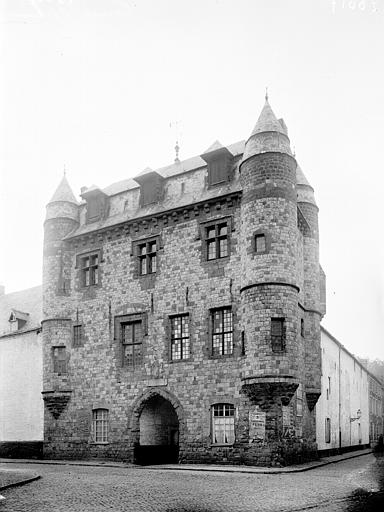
17, 320
219, 161
96, 203
149, 193
151, 187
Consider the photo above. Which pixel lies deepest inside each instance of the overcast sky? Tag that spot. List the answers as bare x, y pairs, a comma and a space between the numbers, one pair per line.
93, 85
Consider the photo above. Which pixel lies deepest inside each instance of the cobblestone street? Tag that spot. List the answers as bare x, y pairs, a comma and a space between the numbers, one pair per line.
85, 488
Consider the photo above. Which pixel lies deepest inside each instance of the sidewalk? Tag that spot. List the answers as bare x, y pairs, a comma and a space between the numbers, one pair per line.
191, 467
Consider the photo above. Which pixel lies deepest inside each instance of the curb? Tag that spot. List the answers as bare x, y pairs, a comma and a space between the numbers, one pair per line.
20, 482
256, 470
182, 467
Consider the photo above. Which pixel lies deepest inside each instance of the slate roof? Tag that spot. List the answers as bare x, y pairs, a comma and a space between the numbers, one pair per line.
63, 192
169, 171
268, 122
300, 177
176, 201
27, 301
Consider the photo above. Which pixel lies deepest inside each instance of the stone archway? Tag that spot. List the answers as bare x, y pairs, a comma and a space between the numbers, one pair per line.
157, 426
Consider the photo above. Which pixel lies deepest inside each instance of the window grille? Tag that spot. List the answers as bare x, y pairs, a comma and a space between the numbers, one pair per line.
180, 346
216, 241
147, 254
222, 331
90, 270
223, 424
77, 335
132, 343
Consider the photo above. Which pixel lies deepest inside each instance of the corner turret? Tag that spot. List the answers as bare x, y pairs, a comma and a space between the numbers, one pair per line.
269, 134
62, 217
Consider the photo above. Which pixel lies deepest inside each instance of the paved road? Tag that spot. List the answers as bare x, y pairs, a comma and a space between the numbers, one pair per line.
346, 486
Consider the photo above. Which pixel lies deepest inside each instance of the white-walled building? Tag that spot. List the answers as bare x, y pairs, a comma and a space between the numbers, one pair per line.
342, 411
21, 375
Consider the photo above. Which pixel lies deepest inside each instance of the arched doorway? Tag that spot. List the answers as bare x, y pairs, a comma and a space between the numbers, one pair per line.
159, 432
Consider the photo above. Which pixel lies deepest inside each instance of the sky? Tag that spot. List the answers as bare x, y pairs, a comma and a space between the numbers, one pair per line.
102, 89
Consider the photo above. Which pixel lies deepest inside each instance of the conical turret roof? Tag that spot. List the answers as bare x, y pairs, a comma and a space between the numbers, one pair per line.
63, 193
269, 135
268, 122
300, 177
305, 192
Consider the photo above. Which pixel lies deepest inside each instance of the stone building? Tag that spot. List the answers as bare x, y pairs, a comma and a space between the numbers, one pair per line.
21, 373
182, 310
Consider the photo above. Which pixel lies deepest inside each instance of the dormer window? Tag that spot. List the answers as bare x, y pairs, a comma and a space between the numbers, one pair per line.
151, 187
219, 161
97, 203
17, 320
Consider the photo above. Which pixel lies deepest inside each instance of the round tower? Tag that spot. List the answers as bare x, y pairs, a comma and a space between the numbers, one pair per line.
274, 361
62, 217
311, 308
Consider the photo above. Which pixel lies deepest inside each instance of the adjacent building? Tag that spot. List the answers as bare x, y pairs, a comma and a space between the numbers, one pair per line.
182, 310
21, 373
349, 413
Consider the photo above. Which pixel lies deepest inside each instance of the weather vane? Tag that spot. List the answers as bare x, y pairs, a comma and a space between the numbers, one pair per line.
175, 126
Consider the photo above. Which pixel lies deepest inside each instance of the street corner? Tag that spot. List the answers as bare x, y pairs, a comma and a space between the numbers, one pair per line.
13, 478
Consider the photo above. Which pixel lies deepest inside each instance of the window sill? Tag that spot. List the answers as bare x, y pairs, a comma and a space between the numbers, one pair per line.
186, 360
221, 356
94, 443
217, 445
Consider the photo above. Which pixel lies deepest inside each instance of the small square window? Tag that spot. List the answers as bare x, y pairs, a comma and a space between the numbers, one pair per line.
260, 243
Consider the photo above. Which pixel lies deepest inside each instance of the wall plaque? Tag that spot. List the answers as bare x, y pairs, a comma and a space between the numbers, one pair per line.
256, 425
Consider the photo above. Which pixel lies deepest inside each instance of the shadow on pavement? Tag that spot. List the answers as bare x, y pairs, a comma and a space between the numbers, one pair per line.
362, 500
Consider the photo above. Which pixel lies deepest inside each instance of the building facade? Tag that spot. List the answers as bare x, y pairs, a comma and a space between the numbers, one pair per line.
21, 373
182, 310
376, 401
342, 412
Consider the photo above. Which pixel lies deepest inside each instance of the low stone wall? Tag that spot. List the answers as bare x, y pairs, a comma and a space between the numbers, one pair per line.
21, 449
